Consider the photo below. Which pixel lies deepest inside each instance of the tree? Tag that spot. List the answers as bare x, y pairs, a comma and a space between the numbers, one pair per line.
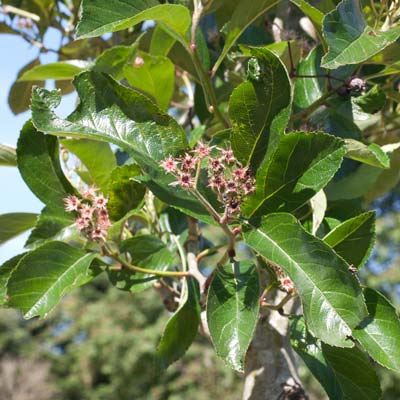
245, 206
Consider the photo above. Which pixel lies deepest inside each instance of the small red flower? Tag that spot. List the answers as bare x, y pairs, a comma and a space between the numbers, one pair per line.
202, 150
86, 211
82, 223
228, 156
185, 180
72, 203
188, 162
240, 174
169, 164
100, 201
217, 182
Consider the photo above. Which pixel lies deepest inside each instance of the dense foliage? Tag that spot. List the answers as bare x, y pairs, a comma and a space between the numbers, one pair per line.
224, 154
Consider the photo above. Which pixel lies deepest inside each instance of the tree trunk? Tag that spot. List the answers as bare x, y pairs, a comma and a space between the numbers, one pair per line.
271, 367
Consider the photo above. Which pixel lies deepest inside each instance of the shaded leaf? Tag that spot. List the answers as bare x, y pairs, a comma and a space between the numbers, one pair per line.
302, 165
5, 272
353, 371
379, 334
350, 40
8, 156
331, 296
372, 101
354, 239
259, 108
232, 311
113, 60
39, 165
161, 42
181, 328
45, 275
60, 70
371, 154
13, 224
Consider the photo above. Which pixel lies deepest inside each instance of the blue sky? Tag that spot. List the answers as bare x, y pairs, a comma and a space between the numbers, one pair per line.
16, 197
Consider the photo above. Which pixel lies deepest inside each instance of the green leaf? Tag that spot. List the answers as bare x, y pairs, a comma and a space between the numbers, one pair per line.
372, 101
315, 15
113, 60
350, 40
353, 371
13, 224
155, 76
379, 334
102, 16
331, 295
61, 70
309, 349
125, 194
259, 108
148, 252
114, 113
232, 311
354, 239
97, 157
52, 224
161, 42
371, 154
45, 275
19, 96
39, 165
8, 156
181, 328
302, 165
244, 14
318, 205
5, 272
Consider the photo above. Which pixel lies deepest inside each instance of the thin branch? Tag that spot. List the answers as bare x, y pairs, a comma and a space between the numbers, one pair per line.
192, 247
280, 305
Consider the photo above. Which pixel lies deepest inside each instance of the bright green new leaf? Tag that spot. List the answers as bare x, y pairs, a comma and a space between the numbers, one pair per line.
45, 275
60, 70
332, 299
244, 14
354, 373
371, 154
154, 75
113, 60
379, 334
39, 165
181, 328
161, 42
309, 349
5, 272
125, 194
354, 239
302, 164
350, 40
232, 310
148, 252
13, 224
8, 156
259, 108
102, 16
97, 157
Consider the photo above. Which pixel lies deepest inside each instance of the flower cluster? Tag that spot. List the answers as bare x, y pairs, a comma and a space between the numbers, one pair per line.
91, 213
285, 283
226, 175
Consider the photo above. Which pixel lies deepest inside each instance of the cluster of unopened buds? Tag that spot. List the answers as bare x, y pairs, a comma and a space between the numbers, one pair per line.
285, 283
226, 175
91, 212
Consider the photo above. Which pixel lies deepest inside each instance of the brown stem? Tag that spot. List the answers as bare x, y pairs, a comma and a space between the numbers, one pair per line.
192, 249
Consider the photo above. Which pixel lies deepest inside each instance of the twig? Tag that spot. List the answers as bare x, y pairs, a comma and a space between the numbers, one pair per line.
280, 305
192, 248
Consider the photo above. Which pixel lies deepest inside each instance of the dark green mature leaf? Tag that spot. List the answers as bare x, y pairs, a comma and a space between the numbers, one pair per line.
331, 296
5, 272
353, 371
114, 113
39, 165
125, 194
148, 252
354, 239
102, 16
372, 101
155, 76
8, 156
20, 93
60, 70
309, 349
45, 275
181, 328
379, 334
244, 14
97, 157
315, 15
302, 164
13, 224
232, 311
52, 224
350, 40
371, 154
259, 108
